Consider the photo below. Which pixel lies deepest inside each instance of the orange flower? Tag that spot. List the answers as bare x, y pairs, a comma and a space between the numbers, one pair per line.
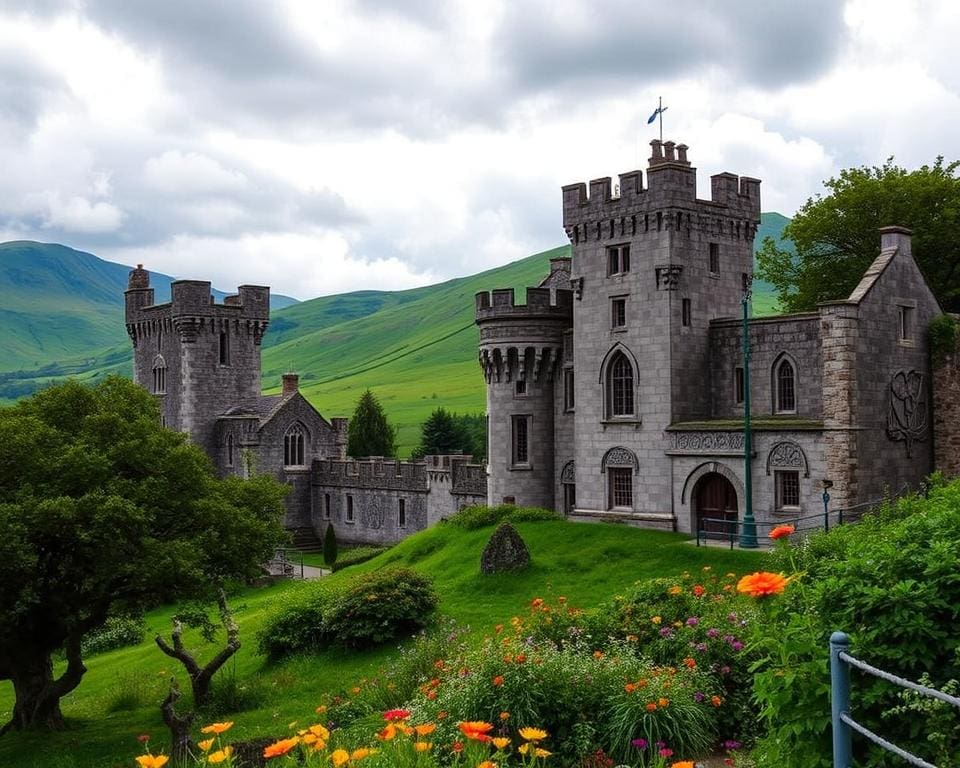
220, 755
280, 747
781, 530
651, 707
762, 583
675, 590
532, 734
537, 602
152, 761
691, 663
457, 746
320, 731
664, 703
683, 764
487, 764
217, 728
321, 709
339, 757
498, 680
521, 657
205, 744
698, 590
476, 729
426, 729
500, 742
716, 701
388, 733
504, 715
629, 687
359, 754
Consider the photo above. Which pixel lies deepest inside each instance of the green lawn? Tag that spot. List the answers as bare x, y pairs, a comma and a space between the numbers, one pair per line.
119, 697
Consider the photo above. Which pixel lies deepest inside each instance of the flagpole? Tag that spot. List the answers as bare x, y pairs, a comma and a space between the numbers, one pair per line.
660, 115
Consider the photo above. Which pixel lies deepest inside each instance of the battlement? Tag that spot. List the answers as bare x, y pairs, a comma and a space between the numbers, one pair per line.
387, 474
671, 183
542, 303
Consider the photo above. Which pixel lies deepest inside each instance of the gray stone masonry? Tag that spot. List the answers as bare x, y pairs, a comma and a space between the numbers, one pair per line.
946, 411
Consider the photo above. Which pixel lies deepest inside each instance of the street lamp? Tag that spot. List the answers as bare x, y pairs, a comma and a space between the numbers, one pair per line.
827, 485
748, 537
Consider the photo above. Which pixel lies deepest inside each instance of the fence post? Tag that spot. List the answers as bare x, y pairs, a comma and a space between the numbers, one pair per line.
840, 700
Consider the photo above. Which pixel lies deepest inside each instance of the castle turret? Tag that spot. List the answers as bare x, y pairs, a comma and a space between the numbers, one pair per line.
521, 350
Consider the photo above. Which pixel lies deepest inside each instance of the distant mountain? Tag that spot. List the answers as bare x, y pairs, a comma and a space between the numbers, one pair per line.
57, 303
416, 349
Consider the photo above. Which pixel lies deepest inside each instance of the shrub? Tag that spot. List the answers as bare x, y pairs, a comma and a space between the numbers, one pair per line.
380, 606
480, 516
298, 624
330, 546
118, 632
356, 556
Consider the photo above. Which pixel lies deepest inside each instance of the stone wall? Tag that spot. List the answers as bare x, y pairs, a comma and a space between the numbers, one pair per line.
946, 412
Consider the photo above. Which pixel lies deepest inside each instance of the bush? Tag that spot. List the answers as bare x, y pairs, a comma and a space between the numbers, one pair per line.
330, 546
118, 632
380, 606
480, 516
356, 556
228, 694
367, 610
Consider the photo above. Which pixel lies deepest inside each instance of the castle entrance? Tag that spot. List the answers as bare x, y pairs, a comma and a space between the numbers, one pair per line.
715, 503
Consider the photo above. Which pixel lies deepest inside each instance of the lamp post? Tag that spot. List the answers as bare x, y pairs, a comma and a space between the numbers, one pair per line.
827, 485
748, 537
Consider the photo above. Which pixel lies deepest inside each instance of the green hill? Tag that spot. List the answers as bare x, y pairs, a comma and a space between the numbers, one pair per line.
416, 349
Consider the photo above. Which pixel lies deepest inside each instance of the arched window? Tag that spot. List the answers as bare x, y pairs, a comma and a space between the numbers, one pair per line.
785, 385
159, 375
620, 400
293, 444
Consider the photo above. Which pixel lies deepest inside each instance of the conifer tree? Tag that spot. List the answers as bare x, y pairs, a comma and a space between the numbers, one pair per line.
330, 546
369, 433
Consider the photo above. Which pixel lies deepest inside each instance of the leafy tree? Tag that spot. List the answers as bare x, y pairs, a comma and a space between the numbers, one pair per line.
330, 546
369, 433
103, 511
836, 235
444, 432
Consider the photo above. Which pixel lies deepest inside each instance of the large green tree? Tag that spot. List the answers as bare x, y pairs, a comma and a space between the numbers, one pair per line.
836, 234
369, 433
103, 510
444, 432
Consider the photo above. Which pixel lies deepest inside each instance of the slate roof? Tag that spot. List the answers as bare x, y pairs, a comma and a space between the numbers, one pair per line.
262, 407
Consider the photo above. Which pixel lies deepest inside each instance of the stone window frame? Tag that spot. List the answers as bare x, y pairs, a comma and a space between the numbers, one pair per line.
569, 391
295, 439
520, 441
618, 259
326, 506
686, 313
401, 513
779, 384
906, 321
782, 477
223, 349
348, 515
618, 313
159, 375
520, 388
620, 481
614, 355
713, 260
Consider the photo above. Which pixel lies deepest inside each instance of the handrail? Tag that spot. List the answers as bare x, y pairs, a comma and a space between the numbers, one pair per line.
844, 724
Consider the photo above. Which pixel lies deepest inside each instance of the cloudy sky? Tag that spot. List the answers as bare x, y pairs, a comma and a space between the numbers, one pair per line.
322, 146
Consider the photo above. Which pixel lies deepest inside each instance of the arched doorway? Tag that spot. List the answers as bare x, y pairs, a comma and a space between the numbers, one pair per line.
715, 503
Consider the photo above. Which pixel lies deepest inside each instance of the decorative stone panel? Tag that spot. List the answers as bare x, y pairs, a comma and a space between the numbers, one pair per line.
787, 455
907, 418
705, 443
619, 457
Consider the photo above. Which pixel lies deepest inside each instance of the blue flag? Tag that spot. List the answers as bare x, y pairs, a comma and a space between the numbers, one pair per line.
656, 112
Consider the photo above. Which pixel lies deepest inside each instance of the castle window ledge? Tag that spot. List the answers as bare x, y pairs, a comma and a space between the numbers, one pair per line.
757, 424
521, 467
301, 470
619, 329
622, 422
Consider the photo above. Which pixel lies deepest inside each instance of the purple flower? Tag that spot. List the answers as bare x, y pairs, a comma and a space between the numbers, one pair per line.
731, 617
724, 670
728, 638
737, 645
701, 647
699, 697
731, 744
713, 632
639, 743
693, 621
666, 632
661, 744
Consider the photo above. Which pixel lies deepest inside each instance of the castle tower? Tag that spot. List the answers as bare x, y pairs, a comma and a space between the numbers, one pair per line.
197, 357
521, 350
651, 268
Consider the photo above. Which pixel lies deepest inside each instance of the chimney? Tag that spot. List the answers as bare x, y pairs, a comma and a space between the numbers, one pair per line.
291, 384
895, 237
656, 152
139, 279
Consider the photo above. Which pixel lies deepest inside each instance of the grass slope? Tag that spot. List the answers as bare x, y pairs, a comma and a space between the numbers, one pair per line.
119, 697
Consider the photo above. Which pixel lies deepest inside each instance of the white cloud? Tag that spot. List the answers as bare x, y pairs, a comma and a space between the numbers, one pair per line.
190, 173
77, 214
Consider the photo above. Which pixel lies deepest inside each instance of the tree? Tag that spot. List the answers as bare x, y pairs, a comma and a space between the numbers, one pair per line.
369, 433
330, 546
102, 510
836, 235
444, 433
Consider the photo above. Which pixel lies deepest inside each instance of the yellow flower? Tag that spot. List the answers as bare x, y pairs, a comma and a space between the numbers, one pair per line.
426, 729
217, 728
422, 746
656, 619
533, 734
339, 757
542, 752
319, 731
487, 764
280, 747
359, 754
220, 755
152, 761
388, 732
675, 590
205, 744
500, 742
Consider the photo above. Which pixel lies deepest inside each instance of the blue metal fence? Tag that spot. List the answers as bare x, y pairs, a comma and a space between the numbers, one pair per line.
844, 725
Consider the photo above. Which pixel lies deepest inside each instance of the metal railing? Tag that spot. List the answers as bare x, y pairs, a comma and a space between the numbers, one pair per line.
844, 725
282, 564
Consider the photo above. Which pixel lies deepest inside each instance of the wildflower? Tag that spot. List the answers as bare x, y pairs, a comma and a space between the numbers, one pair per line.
632, 638
541, 752
666, 632
498, 680
532, 734
217, 728
716, 701
422, 746
387, 733
476, 730
731, 744
699, 696
665, 752
487, 764
537, 602
690, 663
500, 742
205, 744
781, 531
321, 709
396, 714
520, 658
701, 647
281, 747
693, 621
713, 632
220, 755
736, 645
319, 731
457, 746
339, 757
498, 629
698, 590
651, 707
663, 703
425, 729
598, 654
152, 761
675, 590
629, 687
656, 619
683, 764
143, 738
359, 754
640, 743
504, 716
762, 583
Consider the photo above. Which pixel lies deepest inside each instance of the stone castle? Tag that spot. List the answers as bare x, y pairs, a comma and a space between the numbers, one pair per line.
615, 392
201, 360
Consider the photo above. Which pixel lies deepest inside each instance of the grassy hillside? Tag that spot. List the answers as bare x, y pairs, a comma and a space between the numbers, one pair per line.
119, 697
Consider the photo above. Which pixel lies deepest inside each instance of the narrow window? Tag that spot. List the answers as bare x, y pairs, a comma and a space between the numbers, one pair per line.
521, 387
402, 513
521, 446
293, 446
621, 487
786, 388
229, 450
685, 312
620, 387
738, 385
349, 518
618, 313
618, 259
787, 490
224, 348
159, 376
326, 506
568, 396
714, 258
569, 497
905, 323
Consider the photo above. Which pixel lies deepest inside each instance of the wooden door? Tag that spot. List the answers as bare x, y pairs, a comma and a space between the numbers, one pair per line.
716, 501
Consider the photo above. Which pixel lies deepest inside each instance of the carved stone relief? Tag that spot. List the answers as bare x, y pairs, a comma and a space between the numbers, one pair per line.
787, 455
707, 442
619, 457
668, 276
569, 473
907, 416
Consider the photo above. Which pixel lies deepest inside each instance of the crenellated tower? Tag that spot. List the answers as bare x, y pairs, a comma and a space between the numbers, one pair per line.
196, 356
521, 353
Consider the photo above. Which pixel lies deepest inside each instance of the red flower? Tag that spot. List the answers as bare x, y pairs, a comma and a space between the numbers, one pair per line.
498, 680
395, 714
781, 530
